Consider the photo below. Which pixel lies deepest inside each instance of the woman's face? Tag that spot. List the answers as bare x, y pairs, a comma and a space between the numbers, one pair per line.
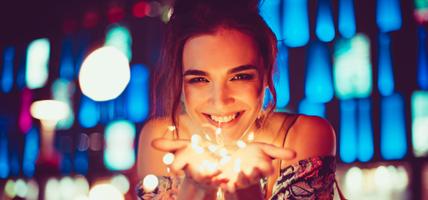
222, 80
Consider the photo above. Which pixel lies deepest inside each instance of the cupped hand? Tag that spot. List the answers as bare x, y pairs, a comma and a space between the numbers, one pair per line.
198, 164
251, 163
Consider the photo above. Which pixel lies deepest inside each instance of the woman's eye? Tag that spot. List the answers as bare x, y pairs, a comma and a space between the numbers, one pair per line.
243, 77
198, 80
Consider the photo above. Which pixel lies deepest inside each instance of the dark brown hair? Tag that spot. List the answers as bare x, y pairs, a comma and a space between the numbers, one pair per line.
196, 17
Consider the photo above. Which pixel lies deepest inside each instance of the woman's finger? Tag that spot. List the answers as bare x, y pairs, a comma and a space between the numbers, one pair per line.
168, 145
276, 152
254, 175
180, 162
266, 168
243, 180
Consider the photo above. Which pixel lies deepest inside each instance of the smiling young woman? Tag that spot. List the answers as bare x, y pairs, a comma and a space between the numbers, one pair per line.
217, 60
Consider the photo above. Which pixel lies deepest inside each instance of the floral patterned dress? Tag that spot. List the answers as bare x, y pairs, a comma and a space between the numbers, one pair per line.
312, 178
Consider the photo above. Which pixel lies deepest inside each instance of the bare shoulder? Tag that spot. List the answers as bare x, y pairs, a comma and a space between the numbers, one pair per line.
155, 127
149, 159
311, 136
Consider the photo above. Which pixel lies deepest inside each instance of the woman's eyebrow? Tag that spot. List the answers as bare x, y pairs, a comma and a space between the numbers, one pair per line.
194, 72
242, 68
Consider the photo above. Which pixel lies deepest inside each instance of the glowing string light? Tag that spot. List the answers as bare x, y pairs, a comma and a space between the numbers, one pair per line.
250, 137
168, 158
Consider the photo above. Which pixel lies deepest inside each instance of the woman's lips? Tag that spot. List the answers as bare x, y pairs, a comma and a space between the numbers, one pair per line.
223, 124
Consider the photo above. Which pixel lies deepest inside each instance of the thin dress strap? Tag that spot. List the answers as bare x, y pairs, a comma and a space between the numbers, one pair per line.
288, 122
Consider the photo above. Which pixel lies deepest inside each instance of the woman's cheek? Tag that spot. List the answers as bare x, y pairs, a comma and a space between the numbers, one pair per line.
193, 95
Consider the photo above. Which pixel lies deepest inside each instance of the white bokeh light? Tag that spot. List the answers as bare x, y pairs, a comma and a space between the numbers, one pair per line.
51, 110
150, 182
105, 192
104, 74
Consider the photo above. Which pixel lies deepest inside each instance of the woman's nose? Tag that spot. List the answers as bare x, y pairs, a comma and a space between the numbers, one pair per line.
222, 96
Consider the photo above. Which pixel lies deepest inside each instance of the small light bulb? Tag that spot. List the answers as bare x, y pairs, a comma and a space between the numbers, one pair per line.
168, 158
241, 144
223, 152
207, 137
237, 165
224, 160
197, 148
212, 148
218, 131
251, 137
196, 139
209, 167
171, 128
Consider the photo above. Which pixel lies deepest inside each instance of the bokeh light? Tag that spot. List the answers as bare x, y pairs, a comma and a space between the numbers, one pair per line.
347, 27
7, 75
104, 74
38, 54
352, 68
419, 106
106, 192
50, 110
121, 182
119, 139
295, 22
324, 23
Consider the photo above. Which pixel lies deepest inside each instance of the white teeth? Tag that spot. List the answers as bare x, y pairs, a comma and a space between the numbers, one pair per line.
223, 119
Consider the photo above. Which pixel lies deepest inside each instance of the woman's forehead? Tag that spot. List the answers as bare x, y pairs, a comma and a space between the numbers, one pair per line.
224, 48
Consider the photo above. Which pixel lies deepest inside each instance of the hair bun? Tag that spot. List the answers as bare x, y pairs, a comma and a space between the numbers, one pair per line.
221, 6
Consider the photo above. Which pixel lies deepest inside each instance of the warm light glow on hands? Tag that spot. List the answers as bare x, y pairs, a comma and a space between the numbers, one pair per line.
213, 165
251, 163
197, 162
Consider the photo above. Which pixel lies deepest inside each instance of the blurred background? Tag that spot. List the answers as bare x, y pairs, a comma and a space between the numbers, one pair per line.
71, 106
